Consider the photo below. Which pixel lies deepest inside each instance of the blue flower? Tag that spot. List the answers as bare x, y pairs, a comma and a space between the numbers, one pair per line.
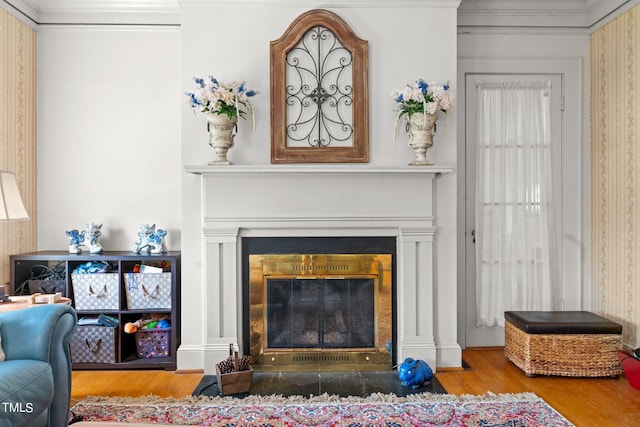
399, 98
422, 85
199, 81
446, 87
193, 99
251, 92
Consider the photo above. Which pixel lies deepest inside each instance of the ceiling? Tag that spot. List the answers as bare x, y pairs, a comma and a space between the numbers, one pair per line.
471, 13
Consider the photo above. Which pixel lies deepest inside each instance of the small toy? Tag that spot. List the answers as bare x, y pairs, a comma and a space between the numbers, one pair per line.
87, 237
39, 298
414, 373
151, 322
150, 239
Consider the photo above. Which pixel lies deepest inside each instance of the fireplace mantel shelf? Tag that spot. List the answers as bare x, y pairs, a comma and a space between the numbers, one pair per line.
315, 169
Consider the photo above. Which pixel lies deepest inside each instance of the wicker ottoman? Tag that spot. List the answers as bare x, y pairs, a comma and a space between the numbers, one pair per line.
563, 343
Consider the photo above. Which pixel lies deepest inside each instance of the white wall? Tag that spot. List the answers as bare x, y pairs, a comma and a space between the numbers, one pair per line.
109, 105
231, 41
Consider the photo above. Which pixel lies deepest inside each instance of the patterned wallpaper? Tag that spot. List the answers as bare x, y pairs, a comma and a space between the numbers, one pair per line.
615, 172
18, 131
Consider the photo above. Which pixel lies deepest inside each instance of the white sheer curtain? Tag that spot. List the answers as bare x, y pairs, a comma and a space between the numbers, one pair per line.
514, 214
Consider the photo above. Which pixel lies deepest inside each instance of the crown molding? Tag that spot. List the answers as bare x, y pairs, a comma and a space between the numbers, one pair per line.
312, 4
24, 12
601, 14
472, 14
110, 12
523, 30
539, 13
168, 12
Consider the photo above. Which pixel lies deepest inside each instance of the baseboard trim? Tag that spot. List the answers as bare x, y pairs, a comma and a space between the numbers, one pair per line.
484, 348
188, 371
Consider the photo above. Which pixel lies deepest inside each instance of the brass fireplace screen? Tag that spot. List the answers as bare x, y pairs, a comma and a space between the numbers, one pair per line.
321, 311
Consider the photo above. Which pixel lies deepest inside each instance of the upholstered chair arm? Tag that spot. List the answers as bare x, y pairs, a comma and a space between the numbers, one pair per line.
44, 333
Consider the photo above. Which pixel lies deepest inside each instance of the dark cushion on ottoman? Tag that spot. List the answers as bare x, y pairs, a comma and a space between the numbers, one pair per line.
562, 322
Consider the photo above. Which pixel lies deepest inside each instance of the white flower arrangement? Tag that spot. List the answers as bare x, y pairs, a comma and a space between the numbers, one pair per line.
421, 96
216, 97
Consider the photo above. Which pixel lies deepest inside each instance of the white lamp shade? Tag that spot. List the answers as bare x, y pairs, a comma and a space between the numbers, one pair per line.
11, 206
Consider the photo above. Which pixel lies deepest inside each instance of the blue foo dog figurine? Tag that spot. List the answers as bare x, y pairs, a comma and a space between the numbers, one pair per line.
414, 373
150, 239
87, 237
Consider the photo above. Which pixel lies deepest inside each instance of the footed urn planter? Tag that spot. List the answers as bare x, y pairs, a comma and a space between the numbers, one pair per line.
420, 130
222, 130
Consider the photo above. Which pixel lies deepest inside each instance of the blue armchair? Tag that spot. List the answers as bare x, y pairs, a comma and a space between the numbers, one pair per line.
35, 378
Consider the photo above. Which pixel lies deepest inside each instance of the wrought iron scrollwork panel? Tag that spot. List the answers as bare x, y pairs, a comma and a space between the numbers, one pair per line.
319, 92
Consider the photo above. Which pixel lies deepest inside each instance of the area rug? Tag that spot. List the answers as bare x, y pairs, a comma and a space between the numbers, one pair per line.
426, 409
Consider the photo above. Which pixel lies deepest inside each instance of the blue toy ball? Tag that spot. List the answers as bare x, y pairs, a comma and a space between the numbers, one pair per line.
163, 324
414, 373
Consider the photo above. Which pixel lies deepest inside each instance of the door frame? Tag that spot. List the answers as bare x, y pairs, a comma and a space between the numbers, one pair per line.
574, 241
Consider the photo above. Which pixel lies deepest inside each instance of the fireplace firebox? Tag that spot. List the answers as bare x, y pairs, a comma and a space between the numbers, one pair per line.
321, 311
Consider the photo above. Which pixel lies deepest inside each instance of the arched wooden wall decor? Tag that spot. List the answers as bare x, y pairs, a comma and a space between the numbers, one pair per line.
319, 92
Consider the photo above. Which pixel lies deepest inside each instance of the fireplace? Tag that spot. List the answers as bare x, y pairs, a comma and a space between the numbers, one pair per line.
310, 309
321, 210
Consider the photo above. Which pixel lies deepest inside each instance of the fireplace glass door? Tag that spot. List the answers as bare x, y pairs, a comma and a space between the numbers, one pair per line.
321, 313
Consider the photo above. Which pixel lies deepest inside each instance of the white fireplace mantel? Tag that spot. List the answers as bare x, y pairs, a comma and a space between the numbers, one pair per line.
314, 169
327, 201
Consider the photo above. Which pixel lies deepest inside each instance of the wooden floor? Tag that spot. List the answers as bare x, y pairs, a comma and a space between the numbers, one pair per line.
586, 402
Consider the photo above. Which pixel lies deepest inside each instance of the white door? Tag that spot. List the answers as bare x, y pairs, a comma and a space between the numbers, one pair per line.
482, 336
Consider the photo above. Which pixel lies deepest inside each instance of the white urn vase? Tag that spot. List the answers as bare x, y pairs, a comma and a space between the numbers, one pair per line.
222, 130
420, 130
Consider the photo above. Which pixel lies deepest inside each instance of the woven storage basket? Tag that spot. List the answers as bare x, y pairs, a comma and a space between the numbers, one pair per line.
569, 355
152, 343
148, 291
94, 344
47, 286
100, 291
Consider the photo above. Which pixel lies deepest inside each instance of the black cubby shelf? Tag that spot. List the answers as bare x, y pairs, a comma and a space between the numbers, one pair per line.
22, 270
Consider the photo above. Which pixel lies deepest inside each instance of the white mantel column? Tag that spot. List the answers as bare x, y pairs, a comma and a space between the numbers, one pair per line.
415, 295
221, 294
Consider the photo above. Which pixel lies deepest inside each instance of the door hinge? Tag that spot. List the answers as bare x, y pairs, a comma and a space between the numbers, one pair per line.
562, 104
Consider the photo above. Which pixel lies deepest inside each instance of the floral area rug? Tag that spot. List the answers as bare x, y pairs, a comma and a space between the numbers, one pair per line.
512, 410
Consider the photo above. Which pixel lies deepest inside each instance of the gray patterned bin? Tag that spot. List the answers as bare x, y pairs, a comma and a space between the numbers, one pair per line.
99, 291
94, 344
